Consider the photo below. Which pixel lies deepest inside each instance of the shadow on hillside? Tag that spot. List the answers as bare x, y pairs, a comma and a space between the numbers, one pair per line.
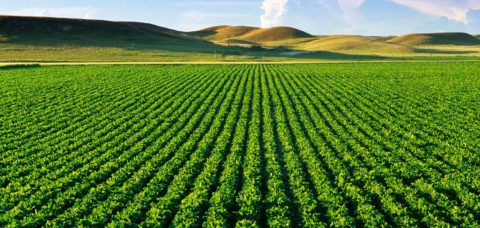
321, 55
185, 44
436, 51
202, 33
338, 56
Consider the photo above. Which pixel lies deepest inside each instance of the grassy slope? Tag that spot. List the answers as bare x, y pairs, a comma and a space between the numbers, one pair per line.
441, 44
60, 39
223, 32
437, 39
54, 32
251, 35
354, 44
450, 45
274, 34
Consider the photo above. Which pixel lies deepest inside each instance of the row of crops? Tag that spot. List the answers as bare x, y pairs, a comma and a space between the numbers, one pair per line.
390, 144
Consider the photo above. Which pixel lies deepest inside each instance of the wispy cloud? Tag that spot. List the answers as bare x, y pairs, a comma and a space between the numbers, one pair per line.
350, 4
346, 8
452, 9
219, 3
73, 12
274, 10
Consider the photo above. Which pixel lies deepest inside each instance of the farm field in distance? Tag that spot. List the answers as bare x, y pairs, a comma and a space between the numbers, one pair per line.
300, 145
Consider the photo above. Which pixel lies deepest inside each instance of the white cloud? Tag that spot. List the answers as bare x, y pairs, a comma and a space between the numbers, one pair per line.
452, 9
87, 16
274, 10
70, 12
219, 3
347, 9
350, 4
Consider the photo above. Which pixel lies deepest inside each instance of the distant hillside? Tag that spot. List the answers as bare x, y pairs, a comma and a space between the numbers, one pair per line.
235, 42
354, 43
80, 32
437, 39
250, 34
65, 39
274, 34
223, 31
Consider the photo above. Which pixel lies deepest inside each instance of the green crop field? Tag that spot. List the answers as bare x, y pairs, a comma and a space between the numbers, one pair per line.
299, 145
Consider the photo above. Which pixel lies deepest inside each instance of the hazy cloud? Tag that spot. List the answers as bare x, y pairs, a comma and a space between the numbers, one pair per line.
452, 9
274, 10
347, 9
219, 3
71, 12
349, 4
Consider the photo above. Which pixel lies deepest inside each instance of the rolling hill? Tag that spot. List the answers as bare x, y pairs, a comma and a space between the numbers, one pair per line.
46, 31
437, 39
250, 34
65, 39
274, 34
222, 32
354, 43
81, 32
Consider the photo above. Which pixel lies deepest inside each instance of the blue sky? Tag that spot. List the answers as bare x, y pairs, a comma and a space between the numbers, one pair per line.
364, 17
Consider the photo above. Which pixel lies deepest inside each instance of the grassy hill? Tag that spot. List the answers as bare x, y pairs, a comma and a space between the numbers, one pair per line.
250, 34
437, 39
274, 34
236, 42
354, 43
45, 31
63, 39
222, 32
